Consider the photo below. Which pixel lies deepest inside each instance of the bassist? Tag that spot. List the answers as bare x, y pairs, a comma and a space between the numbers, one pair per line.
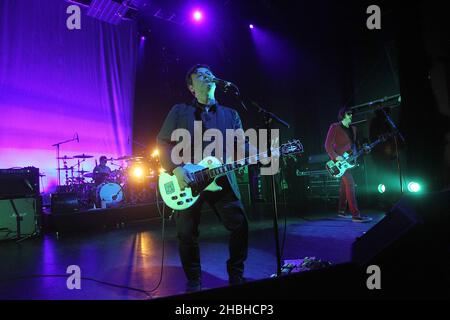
341, 137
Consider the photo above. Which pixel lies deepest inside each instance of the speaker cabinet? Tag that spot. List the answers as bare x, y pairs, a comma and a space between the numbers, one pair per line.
10, 225
411, 245
65, 202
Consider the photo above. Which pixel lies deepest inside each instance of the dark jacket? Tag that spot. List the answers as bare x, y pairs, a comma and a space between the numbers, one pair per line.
182, 116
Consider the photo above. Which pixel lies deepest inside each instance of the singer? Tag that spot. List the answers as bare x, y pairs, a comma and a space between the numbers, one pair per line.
226, 203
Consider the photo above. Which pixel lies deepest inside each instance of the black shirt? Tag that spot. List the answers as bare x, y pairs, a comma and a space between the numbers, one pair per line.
349, 132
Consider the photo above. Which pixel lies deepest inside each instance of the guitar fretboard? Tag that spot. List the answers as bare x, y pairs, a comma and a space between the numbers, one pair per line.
206, 174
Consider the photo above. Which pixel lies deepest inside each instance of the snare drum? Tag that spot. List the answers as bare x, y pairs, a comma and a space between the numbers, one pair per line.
109, 193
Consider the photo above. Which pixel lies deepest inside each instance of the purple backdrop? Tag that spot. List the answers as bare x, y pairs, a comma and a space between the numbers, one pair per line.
56, 82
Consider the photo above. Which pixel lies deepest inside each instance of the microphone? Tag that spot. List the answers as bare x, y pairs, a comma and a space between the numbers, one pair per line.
78, 139
223, 84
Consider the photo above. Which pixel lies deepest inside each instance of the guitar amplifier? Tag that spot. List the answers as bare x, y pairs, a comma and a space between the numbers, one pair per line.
18, 217
19, 183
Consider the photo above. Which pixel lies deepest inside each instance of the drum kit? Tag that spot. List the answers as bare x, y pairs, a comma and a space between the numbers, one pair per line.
105, 189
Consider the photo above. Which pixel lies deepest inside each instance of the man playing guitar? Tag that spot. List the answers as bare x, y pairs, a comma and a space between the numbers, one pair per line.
341, 138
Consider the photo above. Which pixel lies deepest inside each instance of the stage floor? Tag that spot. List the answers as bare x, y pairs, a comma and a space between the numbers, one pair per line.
131, 256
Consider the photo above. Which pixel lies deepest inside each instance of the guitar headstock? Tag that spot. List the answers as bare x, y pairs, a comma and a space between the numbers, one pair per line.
291, 147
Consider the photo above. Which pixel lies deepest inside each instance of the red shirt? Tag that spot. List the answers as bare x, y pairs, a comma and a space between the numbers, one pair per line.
338, 141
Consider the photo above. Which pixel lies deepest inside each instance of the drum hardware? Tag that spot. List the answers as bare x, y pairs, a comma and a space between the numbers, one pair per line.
135, 159
124, 158
57, 145
64, 158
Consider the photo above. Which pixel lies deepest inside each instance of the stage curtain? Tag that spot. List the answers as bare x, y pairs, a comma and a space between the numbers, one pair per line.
56, 83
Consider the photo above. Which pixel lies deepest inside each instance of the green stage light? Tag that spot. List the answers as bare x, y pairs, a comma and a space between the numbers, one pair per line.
413, 187
381, 188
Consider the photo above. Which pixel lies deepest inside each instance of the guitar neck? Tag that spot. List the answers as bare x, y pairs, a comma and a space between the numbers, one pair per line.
361, 151
224, 169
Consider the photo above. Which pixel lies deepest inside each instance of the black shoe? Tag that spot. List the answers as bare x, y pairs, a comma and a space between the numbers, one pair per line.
344, 215
236, 280
193, 286
360, 218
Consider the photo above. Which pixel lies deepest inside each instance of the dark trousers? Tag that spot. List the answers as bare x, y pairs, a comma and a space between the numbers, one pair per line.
347, 194
231, 213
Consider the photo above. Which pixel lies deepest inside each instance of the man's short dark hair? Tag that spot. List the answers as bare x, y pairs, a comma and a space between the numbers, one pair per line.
342, 112
103, 158
193, 70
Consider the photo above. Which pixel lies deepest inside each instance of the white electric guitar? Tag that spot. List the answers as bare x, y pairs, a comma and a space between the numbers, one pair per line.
206, 172
338, 168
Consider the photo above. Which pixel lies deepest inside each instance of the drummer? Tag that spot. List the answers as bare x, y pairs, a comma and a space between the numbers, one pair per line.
102, 171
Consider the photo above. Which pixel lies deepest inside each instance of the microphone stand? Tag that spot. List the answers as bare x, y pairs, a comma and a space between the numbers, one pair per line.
269, 118
57, 156
396, 133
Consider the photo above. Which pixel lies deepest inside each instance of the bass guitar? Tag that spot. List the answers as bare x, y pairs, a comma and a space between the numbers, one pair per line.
338, 168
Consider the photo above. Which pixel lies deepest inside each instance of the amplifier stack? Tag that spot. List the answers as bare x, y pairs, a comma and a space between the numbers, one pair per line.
20, 204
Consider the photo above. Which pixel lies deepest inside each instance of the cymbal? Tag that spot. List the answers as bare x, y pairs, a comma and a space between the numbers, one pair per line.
83, 156
124, 158
64, 158
88, 175
64, 169
82, 171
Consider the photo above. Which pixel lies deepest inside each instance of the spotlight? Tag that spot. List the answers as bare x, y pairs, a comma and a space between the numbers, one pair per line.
413, 187
138, 172
143, 38
155, 153
381, 188
251, 26
197, 15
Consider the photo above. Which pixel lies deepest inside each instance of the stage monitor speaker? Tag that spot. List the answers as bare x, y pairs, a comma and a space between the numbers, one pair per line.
415, 220
411, 243
26, 208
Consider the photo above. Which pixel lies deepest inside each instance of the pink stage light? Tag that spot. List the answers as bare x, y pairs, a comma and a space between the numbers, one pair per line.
197, 15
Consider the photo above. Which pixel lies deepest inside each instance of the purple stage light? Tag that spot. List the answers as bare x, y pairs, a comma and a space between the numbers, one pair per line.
197, 15
251, 26
142, 38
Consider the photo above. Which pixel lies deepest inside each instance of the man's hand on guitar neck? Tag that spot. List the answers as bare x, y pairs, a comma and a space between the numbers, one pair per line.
183, 177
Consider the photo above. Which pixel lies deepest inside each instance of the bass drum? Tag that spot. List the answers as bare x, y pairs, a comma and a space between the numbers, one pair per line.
109, 193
